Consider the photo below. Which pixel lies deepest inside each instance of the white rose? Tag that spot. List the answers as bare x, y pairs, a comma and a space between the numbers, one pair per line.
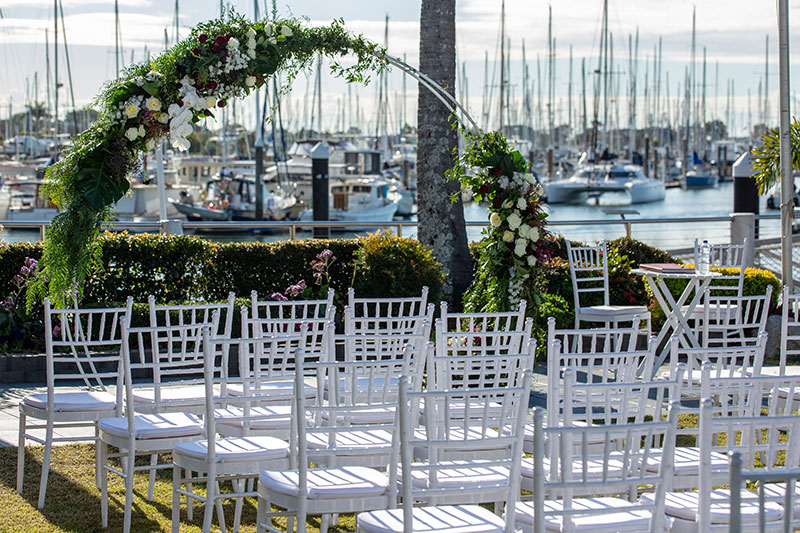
531, 260
533, 234
523, 230
521, 203
162, 118
250, 81
233, 42
272, 40
142, 131
251, 43
132, 134
153, 104
521, 242
131, 110
519, 250
268, 28
251, 33
286, 31
151, 144
514, 221
508, 236
210, 102
495, 220
251, 54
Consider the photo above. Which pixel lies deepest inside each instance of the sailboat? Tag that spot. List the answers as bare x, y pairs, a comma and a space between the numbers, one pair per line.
697, 177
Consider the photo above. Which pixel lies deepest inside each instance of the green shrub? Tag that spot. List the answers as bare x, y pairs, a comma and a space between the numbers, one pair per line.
272, 267
388, 266
552, 305
638, 252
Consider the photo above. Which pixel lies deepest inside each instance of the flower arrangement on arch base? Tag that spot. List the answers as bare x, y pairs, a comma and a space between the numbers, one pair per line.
514, 243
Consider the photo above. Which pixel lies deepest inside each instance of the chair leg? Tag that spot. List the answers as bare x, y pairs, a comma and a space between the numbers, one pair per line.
97, 465
151, 481
176, 498
261, 514
238, 486
130, 460
324, 523
48, 445
189, 499
21, 452
220, 510
103, 451
210, 500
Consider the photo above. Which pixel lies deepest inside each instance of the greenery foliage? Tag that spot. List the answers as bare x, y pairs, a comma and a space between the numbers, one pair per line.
767, 156
221, 59
378, 273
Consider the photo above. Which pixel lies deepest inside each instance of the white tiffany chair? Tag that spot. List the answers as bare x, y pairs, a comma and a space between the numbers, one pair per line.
343, 438
593, 367
788, 499
388, 307
620, 339
588, 266
86, 348
605, 405
235, 459
731, 321
790, 329
291, 309
614, 482
770, 443
158, 354
723, 256
732, 361
500, 321
448, 490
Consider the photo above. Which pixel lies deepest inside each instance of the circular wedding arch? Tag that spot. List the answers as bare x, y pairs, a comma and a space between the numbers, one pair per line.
223, 59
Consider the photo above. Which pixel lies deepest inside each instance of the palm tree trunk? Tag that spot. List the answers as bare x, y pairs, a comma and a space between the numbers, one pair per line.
441, 221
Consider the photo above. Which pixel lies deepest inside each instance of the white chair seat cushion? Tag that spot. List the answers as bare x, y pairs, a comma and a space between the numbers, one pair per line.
777, 491
277, 390
458, 433
377, 441
462, 474
594, 467
154, 426
74, 401
477, 410
445, 518
713, 311
377, 415
627, 519
322, 483
177, 394
684, 505
687, 461
276, 417
253, 448
614, 310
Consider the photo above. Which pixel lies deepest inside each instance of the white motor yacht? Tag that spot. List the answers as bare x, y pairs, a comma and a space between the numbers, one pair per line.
593, 180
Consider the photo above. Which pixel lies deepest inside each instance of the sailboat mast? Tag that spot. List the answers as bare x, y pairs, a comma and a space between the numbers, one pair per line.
502, 62
569, 94
550, 75
583, 115
703, 105
55, 78
693, 90
766, 82
177, 20
605, 72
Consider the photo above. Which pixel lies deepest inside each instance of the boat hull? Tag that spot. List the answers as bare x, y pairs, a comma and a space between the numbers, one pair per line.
700, 181
198, 212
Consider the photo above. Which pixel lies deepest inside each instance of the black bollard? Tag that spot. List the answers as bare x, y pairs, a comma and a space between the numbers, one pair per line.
259, 175
320, 191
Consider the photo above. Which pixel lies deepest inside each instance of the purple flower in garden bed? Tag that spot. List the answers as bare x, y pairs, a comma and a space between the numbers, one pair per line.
8, 304
278, 297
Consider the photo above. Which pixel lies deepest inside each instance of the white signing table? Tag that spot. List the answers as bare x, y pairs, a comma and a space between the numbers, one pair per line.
677, 312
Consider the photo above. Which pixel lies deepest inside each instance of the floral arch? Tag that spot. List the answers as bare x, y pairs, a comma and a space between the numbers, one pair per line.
228, 58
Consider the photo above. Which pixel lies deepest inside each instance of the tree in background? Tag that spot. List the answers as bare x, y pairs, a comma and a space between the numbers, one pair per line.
441, 220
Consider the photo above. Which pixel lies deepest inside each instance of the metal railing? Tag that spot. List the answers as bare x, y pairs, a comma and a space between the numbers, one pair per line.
296, 226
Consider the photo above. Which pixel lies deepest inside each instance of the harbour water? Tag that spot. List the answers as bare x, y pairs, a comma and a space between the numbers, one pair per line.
678, 203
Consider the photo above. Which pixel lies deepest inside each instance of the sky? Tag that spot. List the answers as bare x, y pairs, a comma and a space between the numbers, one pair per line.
733, 33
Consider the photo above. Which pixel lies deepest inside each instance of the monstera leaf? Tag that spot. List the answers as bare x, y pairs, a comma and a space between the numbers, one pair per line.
100, 188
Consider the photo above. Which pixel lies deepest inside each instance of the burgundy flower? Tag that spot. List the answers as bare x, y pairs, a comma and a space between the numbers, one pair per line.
220, 40
199, 86
196, 51
497, 202
227, 38
216, 48
211, 85
484, 188
180, 103
202, 37
221, 103
496, 171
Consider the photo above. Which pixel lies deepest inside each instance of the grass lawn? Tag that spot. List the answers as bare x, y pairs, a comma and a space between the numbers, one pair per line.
73, 501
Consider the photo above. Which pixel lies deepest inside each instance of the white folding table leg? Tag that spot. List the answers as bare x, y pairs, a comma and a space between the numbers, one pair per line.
48, 446
21, 452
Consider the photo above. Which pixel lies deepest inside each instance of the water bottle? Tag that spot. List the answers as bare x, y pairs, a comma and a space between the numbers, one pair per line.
704, 259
